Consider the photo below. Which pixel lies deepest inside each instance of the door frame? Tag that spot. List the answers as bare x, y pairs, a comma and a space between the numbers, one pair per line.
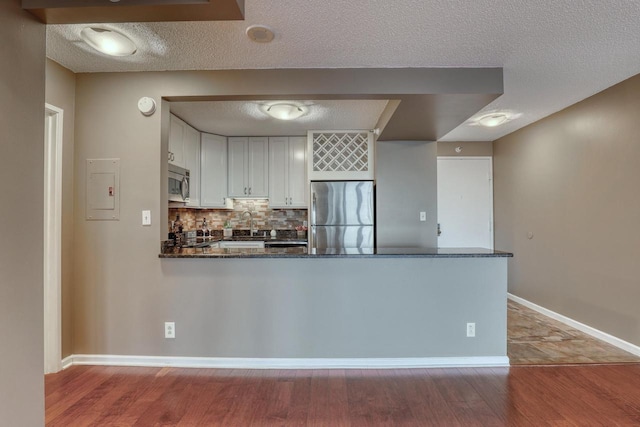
490, 158
52, 277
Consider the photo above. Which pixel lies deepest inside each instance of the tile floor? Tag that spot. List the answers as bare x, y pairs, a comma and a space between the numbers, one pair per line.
535, 339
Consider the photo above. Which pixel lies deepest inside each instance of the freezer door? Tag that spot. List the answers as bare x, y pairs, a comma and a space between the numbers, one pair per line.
342, 236
342, 203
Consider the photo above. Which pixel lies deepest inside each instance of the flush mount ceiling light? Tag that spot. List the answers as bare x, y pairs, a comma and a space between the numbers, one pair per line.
495, 118
285, 111
109, 42
260, 33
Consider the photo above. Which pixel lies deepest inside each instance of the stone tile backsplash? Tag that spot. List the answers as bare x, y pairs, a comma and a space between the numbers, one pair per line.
264, 218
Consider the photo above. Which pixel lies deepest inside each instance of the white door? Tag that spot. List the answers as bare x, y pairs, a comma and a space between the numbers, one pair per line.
298, 184
213, 171
238, 165
465, 202
258, 172
278, 171
176, 141
192, 163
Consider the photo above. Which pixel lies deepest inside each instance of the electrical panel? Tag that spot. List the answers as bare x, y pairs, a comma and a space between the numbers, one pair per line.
103, 189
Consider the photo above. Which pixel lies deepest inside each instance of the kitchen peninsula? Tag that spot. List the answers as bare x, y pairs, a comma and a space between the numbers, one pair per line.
394, 301
394, 307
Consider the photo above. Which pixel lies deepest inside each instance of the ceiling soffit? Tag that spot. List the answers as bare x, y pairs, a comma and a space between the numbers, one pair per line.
430, 101
102, 11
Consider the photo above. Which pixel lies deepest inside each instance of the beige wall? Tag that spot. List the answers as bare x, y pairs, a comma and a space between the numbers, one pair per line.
469, 148
122, 291
22, 56
572, 180
60, 86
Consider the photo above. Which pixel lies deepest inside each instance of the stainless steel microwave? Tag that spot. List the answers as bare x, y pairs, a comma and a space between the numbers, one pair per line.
178, 184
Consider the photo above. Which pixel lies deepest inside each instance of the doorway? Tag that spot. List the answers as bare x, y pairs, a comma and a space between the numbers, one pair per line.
52, 277
465, 202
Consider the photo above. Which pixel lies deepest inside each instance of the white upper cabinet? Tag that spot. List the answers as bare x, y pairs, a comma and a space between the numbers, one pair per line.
192, 163
298, 182
287, 172
248, 167
278, 171
214, 172
176, 141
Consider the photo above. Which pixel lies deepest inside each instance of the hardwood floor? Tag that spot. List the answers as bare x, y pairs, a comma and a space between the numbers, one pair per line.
587, 395
535, 339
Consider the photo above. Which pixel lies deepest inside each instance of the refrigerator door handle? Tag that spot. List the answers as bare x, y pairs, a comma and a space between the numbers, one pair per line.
313, 219
313, 208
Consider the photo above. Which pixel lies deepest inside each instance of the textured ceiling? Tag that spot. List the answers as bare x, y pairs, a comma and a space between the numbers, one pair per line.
245, 118
554, 53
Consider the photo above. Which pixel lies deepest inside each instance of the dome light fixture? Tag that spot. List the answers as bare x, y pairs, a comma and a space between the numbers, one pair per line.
494, 118
109, 42
285, 111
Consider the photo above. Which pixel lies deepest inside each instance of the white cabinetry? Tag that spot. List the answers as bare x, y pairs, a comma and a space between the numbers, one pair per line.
176, 141
248, 167
192, 163
287, 172
213, 154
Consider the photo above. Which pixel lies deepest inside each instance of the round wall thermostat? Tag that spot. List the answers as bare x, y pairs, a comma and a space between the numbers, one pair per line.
147, 106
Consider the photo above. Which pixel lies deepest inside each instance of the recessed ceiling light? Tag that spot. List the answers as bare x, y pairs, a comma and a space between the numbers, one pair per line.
495, 118
260, 33
109, 42
285, 111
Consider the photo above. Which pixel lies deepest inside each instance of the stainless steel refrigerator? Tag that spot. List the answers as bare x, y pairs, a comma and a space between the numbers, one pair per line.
342, 215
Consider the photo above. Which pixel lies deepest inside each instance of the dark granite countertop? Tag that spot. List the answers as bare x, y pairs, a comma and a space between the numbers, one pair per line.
302, 252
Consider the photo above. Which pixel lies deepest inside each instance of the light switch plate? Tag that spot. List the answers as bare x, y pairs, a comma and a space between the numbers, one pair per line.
146, 217
423, 216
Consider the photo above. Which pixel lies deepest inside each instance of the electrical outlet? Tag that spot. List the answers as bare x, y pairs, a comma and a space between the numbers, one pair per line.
471, 330
169, 329
423, 216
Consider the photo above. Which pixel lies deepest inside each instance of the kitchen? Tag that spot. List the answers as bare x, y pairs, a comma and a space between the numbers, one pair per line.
405, 163
122, 292
299, 307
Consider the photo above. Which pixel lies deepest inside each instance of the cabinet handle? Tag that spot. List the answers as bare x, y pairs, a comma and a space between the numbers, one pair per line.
245, 190
249, 190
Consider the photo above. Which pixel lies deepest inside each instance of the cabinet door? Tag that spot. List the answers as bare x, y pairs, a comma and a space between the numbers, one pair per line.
278, 172
176, 141
238, 167
192, 162
258, 176
213, 171
297, 180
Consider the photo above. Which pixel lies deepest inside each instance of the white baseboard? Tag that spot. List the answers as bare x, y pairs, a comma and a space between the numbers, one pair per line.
286, 363
67, 362
596, 333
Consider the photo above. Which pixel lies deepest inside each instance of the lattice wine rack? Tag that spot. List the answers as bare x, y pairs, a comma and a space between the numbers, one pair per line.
339, 155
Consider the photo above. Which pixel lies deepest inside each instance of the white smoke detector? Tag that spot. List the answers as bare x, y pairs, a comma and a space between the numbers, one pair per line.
260, 33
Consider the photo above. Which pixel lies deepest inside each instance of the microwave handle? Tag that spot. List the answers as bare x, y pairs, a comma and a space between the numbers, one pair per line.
185, 188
